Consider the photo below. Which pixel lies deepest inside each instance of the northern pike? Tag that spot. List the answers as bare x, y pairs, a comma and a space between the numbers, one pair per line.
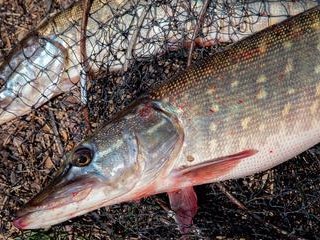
48, 61
241, 111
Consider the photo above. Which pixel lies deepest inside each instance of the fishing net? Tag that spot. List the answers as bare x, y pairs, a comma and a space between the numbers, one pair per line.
131, 46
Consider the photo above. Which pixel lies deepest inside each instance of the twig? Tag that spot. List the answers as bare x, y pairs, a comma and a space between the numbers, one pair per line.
231, 197
196, 30
83, 31
253, 215
163, 205
85, 73
56, 134
48, 6
10, 14
134, 38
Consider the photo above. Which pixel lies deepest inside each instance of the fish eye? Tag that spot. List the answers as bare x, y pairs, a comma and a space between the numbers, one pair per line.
82, 157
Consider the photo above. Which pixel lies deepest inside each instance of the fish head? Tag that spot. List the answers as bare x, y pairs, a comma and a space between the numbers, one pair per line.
117, 164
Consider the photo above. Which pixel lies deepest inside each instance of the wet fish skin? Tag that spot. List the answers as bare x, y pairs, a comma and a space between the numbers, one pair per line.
56, 66
241, 111
32, 86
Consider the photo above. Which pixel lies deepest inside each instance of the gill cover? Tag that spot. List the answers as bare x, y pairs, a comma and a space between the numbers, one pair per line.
135, 146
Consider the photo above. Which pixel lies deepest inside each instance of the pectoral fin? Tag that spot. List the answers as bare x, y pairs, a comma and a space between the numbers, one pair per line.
184, 203
209, 170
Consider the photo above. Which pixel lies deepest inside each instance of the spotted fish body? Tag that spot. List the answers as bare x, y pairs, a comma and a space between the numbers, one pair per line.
49, 61
241, 111
262, 93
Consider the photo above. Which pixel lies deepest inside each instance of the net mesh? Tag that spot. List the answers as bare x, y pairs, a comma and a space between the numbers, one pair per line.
46, 102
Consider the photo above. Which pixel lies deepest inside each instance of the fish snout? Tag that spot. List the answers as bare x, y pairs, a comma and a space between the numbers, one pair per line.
54, 202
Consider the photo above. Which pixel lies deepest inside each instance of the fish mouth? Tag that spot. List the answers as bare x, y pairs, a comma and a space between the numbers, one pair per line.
58, 202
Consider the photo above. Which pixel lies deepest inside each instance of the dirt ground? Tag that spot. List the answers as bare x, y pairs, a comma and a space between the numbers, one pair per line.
282, 203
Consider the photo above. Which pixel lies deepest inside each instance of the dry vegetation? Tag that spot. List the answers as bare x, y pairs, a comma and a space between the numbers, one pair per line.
282, 203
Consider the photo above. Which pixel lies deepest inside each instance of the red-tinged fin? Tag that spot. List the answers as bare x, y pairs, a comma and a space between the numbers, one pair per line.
212, 169
184, 203
19, 223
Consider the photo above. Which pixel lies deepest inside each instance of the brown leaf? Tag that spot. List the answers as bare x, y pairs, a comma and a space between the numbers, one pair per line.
64, 135
48, 164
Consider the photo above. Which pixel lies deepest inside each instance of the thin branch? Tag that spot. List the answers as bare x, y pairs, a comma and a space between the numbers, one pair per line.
240, 205
83, 35
85, 73
196, 30
10, 14
48, 7
134, 38
57, 138
163, 205
231, 197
